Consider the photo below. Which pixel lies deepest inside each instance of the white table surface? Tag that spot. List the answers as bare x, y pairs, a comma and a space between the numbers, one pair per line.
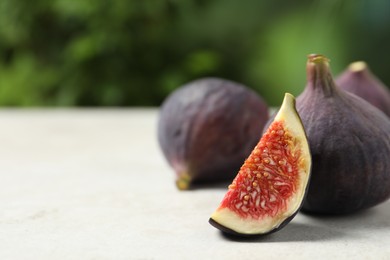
92, 184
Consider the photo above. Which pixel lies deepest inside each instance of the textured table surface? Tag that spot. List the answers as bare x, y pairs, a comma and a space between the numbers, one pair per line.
92, 184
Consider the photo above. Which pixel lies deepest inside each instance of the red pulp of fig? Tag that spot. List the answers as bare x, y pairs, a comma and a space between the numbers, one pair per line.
268, 177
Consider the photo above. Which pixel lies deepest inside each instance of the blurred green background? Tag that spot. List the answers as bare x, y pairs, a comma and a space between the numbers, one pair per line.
134, 53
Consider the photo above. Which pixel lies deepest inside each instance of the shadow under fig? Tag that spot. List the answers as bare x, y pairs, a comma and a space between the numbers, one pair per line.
370, 219
210, 185
293, 232
327, 227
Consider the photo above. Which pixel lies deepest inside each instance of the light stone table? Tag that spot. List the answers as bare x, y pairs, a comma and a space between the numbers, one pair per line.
92, 184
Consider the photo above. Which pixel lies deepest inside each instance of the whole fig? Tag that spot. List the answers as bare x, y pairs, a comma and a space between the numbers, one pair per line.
350, 145
359, 80
207, 128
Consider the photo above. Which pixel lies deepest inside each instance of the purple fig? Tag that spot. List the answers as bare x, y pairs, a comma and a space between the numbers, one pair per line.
349, 142
207, 128
359, 80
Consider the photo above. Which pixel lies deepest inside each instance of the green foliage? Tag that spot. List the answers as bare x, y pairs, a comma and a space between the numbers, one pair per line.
121, 53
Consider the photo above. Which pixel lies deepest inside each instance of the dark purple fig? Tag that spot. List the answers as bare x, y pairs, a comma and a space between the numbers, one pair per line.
350, 145
359, 80
207, 128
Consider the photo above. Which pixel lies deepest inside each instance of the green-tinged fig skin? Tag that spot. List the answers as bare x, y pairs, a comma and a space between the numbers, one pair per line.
208, 127
350, 145
359, 80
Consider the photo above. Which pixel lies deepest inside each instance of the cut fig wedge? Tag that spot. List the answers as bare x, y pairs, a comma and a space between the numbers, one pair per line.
270, 187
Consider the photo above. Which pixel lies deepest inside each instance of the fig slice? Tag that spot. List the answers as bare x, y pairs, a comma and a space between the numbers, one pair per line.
270, 187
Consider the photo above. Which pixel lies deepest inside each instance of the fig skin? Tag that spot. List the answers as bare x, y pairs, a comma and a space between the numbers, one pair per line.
207, 128
350, 145
359, 80
234, 233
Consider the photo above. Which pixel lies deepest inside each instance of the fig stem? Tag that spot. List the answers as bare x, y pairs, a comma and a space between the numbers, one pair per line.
318, 58
183, 181
319, 77
358, 66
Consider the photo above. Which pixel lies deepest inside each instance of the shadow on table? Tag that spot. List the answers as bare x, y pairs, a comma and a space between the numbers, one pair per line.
211, 185
294, 232
323, 228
